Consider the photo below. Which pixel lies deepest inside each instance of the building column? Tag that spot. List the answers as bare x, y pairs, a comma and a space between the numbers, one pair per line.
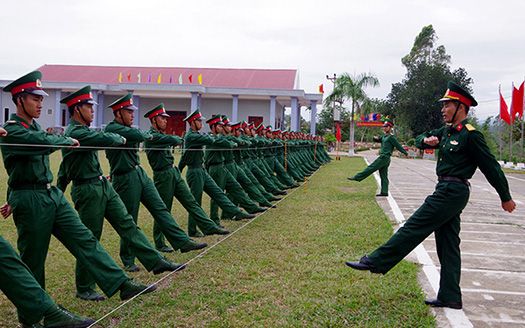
136, 118
294, 122
2, 106
272, 111
235, 108
100, 108
313, 116
58, 109
194, 101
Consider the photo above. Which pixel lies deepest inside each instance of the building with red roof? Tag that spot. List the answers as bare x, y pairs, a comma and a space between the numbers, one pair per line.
257, 95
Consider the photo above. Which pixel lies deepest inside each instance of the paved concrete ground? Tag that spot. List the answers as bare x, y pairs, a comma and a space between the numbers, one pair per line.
492, 245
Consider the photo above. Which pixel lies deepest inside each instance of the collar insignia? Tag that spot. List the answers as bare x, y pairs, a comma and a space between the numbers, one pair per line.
454, 142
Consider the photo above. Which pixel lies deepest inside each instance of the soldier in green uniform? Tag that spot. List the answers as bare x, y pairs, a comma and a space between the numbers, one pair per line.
94, 196
462, 150
198, 179
31, 301
168, 179
135, 187
214, 162
41, 210
388, 143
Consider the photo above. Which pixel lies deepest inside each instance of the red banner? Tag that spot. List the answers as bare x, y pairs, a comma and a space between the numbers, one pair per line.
517, 102
338, 131
503, 109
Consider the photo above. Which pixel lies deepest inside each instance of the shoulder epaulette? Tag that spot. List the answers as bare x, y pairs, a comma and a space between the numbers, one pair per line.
470, 127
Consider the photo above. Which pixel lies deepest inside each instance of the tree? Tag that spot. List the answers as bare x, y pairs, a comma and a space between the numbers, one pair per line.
351, 87
413, 100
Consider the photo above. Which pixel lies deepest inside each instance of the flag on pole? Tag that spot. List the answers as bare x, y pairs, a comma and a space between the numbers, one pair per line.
321, 88
199, 78
149, 78
338, 131
503, 109
517, 102
138, 78
180, 78
190, 78
159, 78
129, 77
120, 77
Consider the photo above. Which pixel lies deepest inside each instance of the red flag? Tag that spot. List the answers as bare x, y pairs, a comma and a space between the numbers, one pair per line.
129, 77
517, 102
503, 109
190, 78
321, 88
338, 131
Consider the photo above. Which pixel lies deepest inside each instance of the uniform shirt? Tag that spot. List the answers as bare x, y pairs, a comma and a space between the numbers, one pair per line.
228, 154
161, 159
462, 149
29, 165
123, 161
81, 164
193, 154
214, 152
388, 143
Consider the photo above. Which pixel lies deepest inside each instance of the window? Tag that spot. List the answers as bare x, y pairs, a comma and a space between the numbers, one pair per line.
6, 114
49, 111
63, 122
256, 120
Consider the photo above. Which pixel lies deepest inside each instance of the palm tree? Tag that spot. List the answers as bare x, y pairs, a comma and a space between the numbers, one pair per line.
351, 87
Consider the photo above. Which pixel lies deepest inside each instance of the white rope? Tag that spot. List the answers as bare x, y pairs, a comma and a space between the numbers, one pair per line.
200, 255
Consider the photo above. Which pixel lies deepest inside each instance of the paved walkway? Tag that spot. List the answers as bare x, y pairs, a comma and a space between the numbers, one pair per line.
492, 245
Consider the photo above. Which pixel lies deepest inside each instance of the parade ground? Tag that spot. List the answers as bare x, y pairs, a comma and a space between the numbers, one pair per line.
284, 268
492, 241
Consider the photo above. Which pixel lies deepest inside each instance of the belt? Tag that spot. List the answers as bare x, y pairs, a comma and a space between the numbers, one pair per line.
31, 186
120, 174
79, 182
445, 178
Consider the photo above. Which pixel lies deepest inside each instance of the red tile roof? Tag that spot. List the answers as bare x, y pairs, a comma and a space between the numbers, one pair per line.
211, 77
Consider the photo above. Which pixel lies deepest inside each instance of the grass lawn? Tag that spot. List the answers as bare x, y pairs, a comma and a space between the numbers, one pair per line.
286, 268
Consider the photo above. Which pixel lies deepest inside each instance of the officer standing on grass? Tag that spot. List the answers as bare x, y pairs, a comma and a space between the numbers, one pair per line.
168, 179
462, 150
93, 194
381, 164
135, 187
41, 210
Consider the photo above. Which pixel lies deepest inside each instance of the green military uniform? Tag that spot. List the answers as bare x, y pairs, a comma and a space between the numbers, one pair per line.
462, 149
169, 183
388, 143
95, 198
135, 187
198, 179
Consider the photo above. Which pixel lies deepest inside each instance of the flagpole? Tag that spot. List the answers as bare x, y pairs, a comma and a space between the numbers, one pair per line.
511, 125
522, 106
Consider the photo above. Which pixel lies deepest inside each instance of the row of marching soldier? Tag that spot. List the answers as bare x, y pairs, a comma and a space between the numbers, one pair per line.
242, 167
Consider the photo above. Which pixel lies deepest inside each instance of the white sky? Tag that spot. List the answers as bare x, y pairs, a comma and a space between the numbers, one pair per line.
316, 37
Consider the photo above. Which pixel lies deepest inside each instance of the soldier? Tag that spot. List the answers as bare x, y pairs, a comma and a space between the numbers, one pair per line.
41, 210
214, 162
32, 302
134, 186
388, 143
168, 179
462, 151
94, 196
198, 179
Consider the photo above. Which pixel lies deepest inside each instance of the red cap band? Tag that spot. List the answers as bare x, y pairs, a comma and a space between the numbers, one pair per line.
456, 96
28, 85
78, 99
122, 105
155, 113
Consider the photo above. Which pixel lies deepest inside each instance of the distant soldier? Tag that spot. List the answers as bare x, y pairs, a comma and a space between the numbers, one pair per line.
41, 210
462, 149
198, 179
168, 179
135, 187
381, 164
94, 196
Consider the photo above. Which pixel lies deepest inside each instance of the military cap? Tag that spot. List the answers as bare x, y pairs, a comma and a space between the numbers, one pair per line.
124, 102
215, 119
159, 110
457, 93
244, 124
195, 115
236, 125
29, 83
388, 123
276, 131
260, 128
82, 96
225, 120
251, 125
269, 128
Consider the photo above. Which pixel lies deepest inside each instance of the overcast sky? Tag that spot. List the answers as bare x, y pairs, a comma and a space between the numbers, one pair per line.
315, 37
